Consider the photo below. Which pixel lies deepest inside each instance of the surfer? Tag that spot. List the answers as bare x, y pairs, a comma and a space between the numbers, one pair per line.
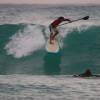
53, 27
87, 73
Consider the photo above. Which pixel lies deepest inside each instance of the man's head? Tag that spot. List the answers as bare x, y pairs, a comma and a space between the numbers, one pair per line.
61, 18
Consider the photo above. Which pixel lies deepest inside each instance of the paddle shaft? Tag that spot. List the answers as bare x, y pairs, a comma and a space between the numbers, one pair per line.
74, 21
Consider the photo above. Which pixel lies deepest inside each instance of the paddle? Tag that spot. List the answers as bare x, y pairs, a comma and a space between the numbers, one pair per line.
84, 18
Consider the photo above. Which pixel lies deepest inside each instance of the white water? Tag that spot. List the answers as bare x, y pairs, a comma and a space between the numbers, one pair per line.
26, 87
25, 42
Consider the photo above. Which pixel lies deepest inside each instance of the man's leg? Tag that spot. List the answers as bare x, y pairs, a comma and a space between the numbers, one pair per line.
56, 33
53, 37
51, 34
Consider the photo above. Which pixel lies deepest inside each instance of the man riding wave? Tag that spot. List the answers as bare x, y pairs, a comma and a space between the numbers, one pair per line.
53, 27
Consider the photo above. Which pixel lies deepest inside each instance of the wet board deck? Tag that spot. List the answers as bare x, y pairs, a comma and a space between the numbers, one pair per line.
52, 48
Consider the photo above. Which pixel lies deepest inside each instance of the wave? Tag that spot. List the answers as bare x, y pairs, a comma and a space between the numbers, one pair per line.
25, 39
26, 42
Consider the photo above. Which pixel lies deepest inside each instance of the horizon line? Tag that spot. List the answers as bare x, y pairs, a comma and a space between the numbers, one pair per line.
47, 4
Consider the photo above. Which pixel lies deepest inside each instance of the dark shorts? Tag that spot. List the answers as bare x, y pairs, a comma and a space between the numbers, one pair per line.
53, 30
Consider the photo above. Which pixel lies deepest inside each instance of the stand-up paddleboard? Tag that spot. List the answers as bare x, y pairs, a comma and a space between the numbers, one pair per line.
52, 48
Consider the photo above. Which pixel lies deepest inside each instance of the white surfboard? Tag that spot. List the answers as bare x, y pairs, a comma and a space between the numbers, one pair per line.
52, 48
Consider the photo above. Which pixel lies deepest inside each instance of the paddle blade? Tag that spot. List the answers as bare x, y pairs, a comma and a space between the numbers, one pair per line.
85, 18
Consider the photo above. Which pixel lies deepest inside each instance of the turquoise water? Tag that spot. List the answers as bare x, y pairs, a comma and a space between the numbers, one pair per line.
23, 33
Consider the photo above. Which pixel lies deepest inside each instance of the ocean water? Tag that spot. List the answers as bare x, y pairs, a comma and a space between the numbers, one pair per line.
34, 87
24, 30
29, 72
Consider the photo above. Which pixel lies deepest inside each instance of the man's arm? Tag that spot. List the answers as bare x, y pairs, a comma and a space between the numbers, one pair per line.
67, 20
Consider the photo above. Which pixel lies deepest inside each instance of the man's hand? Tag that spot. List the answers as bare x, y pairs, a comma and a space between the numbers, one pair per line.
68, 20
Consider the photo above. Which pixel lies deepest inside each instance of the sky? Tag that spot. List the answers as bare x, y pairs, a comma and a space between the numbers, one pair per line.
50, 1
